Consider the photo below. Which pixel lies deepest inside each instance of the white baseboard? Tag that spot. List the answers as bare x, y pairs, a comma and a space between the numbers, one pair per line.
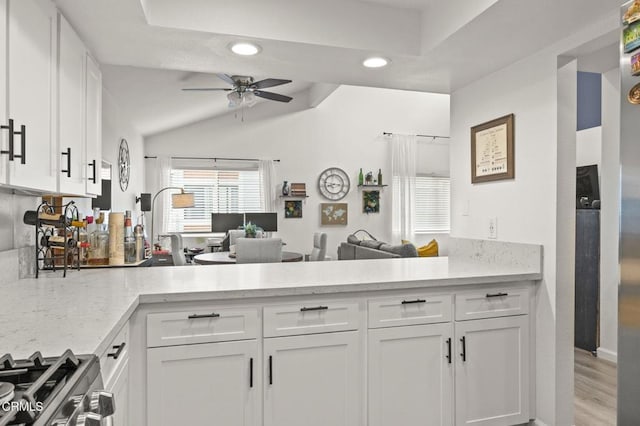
608, 355
537, 422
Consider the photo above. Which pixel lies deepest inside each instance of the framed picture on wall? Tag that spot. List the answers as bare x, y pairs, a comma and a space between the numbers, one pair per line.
293, 209
492, 154
334, 213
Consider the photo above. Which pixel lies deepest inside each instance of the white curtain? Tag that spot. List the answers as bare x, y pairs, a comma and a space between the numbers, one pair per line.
267, 172
403, 171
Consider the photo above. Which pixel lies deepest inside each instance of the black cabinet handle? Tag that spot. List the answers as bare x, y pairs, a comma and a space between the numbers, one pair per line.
93, 167
23, 145
116, 354
464, 349
250, 372
490, 295
409, 302
212, 315
270, 370
315, 308
10, 151
449, 350
68, 154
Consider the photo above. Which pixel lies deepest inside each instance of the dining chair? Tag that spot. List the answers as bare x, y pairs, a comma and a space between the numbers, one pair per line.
258, 250
319, 251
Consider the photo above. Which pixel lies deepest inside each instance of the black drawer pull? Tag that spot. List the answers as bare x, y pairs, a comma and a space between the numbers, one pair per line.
449, 350
68, 170
315, 308
464, 349
119, 348
409, 302
93, 166
270, 369
490, 295
197, 316
250, 372
23, 145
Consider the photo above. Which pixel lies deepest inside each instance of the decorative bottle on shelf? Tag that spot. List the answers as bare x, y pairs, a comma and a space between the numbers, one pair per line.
360, 178
129, 240
285, 188
380, 177
99, 241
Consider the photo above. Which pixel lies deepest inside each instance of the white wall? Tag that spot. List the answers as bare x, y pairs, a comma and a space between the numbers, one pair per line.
610, 215
535, 206
344, 131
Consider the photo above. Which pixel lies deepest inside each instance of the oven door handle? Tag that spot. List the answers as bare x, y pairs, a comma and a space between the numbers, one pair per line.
119, 348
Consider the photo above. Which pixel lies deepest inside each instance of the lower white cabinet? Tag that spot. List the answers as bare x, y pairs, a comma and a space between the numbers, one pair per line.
313, 380
492, 371
411, 375
119, 386
204, 384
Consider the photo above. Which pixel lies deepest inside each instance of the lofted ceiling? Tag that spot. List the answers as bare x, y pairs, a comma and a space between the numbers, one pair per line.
434, 45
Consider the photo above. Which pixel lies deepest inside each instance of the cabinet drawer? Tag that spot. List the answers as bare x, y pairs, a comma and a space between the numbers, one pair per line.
201, 326
116, 353
491, 303
409, 310
309, 318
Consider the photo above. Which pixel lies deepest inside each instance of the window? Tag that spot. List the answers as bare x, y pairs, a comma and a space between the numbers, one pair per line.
432, 204
215, 191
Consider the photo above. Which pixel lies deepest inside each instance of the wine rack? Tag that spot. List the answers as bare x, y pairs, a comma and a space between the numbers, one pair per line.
61, 251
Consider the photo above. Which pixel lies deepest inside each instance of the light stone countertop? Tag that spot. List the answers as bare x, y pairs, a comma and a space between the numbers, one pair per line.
81, 311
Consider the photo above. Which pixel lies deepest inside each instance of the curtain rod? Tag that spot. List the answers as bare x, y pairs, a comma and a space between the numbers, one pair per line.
434, 137
210, 158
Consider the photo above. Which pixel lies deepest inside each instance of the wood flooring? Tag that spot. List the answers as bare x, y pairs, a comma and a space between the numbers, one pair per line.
595, 390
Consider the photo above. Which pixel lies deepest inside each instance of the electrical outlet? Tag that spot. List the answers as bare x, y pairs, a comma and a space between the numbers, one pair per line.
493, 228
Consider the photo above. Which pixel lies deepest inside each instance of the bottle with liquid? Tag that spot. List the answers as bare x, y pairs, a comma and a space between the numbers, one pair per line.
138, 232
380, 177
129, 240
360, 178
99, 242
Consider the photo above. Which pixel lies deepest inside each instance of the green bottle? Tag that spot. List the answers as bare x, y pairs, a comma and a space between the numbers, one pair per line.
361, 178
380, 177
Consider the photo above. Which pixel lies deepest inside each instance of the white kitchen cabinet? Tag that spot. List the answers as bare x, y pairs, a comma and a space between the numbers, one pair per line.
71, 104
492, 371
313, 380
411, 375
204, 384
119, 386
93, 127
4, 164
31, 94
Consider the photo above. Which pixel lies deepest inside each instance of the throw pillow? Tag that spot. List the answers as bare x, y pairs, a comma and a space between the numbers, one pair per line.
352, 239
429, 250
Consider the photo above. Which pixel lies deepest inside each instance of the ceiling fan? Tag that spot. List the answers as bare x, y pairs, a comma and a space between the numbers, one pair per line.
244, 90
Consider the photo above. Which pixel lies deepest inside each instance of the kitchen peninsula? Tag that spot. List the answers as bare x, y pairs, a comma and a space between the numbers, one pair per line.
253, 330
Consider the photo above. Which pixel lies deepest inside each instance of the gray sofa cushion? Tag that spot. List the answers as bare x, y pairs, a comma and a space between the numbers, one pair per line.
402, 250
352, 239
371, 244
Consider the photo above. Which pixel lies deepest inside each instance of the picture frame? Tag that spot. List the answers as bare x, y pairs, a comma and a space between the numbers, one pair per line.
293, 209
370, 202
334, 213
492, 150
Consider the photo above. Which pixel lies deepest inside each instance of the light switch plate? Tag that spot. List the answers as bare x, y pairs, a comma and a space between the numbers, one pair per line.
493, 228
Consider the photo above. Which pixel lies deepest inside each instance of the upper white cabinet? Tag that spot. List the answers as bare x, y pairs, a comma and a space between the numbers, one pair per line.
29, 141
71, 106
93, 127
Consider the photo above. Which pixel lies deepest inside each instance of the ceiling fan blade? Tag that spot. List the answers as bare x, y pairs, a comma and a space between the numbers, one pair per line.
227, 78
269, 82
272, 96
205, 89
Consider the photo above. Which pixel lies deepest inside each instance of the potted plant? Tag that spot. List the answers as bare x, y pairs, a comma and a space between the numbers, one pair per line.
250, 230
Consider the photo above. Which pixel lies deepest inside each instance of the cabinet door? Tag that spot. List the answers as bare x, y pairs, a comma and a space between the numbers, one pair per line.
492, 371
313, 380
411, 375
120, 389
206, 384
31, 90
4, 140
71, 145
93, 121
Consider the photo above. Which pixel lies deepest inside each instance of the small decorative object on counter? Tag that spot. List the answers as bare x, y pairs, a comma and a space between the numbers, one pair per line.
99, 241
360, 178
380, 177
116, 238
129, 240
285, 188
138, 232
57, 240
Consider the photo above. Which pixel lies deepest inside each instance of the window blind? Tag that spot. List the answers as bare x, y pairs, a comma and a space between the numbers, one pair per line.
432, 204
215, 191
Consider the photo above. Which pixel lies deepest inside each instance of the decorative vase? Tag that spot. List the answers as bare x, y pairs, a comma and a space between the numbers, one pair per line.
285, 188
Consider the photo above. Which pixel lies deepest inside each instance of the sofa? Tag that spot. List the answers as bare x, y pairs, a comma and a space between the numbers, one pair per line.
354, 248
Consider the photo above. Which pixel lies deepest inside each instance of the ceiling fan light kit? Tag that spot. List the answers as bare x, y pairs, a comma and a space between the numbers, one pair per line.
376, 62
244, 49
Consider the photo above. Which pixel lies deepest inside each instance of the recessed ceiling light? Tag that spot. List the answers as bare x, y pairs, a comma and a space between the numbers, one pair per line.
375, 62
245, 49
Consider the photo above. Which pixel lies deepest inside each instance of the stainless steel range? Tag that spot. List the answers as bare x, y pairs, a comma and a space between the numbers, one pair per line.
59, 391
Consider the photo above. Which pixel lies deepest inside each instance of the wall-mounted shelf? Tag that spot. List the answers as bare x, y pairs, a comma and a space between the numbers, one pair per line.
293, 197
371, 186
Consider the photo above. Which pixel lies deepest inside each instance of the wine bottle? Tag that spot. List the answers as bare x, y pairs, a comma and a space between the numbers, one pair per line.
360, 178
380, 177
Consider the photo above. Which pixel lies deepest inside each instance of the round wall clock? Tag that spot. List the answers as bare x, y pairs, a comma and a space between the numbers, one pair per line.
124, 164
334, 184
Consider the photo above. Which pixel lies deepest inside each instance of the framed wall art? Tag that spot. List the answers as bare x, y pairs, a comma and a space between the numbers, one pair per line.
334, 213
492, 150
293, 209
